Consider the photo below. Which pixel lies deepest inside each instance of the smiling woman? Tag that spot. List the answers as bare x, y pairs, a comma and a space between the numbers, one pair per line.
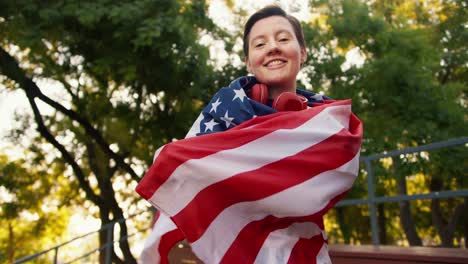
256, 191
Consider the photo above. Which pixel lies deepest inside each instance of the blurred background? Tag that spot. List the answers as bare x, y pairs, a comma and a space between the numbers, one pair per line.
90, 89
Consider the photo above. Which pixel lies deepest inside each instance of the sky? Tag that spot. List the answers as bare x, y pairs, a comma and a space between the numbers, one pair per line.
15, 102
10, 102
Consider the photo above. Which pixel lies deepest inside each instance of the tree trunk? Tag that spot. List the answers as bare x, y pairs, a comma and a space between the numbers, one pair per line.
340, 219
11, 244
406, 220
381, 221
465, 222
104, 215
123, 242
445, 228
99, 164
123, 235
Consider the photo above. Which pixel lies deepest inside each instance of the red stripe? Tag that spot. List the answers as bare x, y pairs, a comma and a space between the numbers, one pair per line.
265, 181
306, 250
249, 241
168, 241
156, 217
258, 231
176, 153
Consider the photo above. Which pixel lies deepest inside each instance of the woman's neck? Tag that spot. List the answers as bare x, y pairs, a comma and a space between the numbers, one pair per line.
274, 91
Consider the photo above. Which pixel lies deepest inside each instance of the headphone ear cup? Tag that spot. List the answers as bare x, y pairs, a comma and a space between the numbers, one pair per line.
259, 93
288, 101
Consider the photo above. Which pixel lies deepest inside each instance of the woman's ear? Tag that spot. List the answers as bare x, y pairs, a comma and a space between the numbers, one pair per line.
247, 63
303, 55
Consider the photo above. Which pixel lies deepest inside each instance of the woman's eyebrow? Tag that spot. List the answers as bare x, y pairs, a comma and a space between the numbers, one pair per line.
276, 33
257, 37
283, 31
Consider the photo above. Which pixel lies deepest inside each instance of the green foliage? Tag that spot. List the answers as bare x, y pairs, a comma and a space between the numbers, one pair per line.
29, 220
397, 83
353, 25
410, 91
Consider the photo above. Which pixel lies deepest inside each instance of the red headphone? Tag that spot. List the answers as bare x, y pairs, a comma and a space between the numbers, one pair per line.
286, 101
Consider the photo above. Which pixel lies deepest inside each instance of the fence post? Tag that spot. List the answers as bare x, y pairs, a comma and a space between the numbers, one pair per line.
109, 243
56, 255
371, 190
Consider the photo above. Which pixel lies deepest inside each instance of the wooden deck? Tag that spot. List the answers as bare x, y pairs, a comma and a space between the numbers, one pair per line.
364, 254
367, 254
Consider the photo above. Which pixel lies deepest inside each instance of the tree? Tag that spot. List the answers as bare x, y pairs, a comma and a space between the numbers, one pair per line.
130, 74
399, 91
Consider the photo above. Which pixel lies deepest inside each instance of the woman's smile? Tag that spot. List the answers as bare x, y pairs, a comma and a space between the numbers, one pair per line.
276, 63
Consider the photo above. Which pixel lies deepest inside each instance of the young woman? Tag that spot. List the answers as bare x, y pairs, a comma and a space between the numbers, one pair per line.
257, 191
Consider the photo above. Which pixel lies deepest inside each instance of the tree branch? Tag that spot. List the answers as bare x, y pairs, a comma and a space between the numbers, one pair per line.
65, 154
10, 68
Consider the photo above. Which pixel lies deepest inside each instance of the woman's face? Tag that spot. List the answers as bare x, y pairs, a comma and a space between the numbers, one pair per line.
275, 55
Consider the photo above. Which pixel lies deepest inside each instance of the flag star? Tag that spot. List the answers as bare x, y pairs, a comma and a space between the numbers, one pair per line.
215, 105
317, 97
209, 125
239, 94
227, 119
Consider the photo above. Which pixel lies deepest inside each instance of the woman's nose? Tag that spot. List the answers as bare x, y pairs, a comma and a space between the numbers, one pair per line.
273, 47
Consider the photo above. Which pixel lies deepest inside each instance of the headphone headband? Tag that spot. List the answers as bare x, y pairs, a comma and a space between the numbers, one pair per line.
286, 101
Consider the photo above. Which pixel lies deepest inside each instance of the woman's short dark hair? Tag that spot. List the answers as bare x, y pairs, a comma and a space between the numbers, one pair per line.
268, 11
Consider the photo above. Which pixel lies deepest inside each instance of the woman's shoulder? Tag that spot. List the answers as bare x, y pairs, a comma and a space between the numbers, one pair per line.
313, 97
244, 82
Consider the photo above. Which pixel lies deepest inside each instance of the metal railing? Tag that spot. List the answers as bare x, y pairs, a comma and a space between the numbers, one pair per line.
108, 228
372, 200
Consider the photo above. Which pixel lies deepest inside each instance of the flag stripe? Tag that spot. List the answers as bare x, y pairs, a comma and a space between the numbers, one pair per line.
297, 201
195, 129
224, 164
161, 240
278, 245
322, 256
306, 250
265, 181
168, 240
255, 240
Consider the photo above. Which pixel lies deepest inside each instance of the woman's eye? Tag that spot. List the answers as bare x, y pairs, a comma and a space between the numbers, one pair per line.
258, 45
283, 39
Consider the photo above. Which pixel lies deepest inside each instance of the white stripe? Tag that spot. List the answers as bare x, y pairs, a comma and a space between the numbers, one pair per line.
195, 129
253, 155
279, 243
150, 253
157, 152
303, 199
323, 257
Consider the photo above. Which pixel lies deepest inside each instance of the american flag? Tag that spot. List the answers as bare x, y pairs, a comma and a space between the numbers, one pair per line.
257, 192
